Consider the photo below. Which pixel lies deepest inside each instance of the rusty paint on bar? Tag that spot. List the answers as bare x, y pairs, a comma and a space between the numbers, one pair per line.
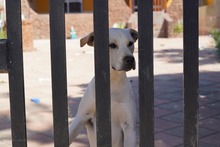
59, 77
15, 71
103, 106
146, 78
191, 74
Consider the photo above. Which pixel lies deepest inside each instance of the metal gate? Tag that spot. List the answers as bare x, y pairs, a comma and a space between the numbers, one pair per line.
11, 60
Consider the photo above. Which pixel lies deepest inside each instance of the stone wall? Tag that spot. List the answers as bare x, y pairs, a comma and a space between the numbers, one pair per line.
82, 22
164, 22
209, 18
27, 35
175, 11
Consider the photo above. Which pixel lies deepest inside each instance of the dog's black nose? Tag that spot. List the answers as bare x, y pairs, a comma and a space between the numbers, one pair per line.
128, 60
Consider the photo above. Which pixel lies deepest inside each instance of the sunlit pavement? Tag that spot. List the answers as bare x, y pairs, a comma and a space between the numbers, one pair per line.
168, 69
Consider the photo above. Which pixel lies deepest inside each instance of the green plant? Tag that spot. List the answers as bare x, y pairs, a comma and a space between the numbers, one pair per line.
3, 34
216, 36
178, 27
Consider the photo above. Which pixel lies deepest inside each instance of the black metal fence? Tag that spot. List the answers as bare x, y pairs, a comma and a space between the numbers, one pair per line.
11, 60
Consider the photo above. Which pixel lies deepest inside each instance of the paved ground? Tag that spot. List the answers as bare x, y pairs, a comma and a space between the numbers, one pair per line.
168, 93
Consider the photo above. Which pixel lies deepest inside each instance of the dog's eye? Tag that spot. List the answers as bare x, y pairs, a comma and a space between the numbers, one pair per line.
112, 45
130, 44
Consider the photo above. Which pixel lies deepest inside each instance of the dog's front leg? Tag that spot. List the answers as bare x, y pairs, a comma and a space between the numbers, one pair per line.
83, 116
129, 135
76, 127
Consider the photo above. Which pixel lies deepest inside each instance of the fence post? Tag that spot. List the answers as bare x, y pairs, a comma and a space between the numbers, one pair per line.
103, 106
191, 74
15, 71
58, 68
146, 77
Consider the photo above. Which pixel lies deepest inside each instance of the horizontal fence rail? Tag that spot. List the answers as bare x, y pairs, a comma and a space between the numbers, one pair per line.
15, 71
102, 80
146, 79
191, 76
58, 68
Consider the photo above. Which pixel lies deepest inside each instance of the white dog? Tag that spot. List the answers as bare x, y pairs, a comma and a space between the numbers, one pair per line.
123, 108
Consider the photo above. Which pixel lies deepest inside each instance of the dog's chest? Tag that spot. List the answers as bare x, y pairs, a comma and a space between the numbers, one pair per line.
121, 92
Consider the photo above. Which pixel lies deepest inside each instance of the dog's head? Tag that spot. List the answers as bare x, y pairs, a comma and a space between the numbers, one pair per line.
121, 47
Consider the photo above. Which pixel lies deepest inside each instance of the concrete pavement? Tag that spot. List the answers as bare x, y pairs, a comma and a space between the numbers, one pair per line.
168, 71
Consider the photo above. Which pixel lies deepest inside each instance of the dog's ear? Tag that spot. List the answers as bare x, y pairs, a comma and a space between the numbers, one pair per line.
134, 34
89, 39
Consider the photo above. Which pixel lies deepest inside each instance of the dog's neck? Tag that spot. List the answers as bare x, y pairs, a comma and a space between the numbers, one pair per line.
117, 77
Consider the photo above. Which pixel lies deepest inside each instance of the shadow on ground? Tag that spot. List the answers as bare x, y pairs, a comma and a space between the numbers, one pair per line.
207, 56
168, 104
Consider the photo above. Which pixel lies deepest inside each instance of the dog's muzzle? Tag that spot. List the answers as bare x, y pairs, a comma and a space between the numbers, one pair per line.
128, 63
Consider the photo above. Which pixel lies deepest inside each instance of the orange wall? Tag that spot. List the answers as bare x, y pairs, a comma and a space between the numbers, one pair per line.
129, 3
155, 3
41, 6
87, 5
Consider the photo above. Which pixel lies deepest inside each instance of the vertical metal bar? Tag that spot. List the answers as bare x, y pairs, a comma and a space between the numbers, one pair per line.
103, 106
146, 79
191, 74
16, 77
59, 79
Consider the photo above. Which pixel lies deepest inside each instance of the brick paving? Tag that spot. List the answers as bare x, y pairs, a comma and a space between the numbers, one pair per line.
168, 93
